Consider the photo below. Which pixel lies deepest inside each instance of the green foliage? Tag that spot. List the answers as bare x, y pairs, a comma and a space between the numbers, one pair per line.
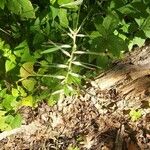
47, 48
72, 148
135, 114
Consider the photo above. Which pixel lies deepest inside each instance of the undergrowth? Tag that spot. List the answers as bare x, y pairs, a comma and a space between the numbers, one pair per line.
49, 47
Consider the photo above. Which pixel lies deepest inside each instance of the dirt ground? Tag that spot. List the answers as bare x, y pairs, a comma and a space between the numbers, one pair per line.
97, 119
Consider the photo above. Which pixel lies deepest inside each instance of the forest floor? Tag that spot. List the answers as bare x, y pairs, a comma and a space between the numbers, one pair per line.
111, 113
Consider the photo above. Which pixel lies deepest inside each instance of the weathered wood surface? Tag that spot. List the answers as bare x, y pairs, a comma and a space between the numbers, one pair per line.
130, 77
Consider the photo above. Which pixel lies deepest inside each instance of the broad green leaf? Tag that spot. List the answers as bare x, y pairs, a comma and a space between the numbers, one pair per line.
127, 9
134, 9
27, 9
2, 4
21, 91
99, 44
139, 21
135, 115
101, 29
2, 113
3, 92
36, 27
74, 78
103, 61
62, 14
9, 65
136, 41
73, 148
14, 6
115, 45
53, 99
52, 1
146, 2
96, 34
61, 2
54, 11
28, 101
15, 92
68, 90
38, 38
26, 70
117, 4
72, 4
22, 51
3, 125
16, 122
9, 119
29, 84
8, 102
110, 23
146, 27
1, 44
47, 28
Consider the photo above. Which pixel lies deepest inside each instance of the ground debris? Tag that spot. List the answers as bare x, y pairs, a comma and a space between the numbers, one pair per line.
96, 120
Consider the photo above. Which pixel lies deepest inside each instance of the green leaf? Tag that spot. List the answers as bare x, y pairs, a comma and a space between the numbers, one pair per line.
2, 113
110, 23
3, 125
47, 28
16, 122
29, 84
69, 89
101, 29
61, 2
99, 44
62, 14
9, 65
135, 115
146, 2
136, 41
53, 99
52, 1
38, 38
27, 9
102, 61
21, 91
54, 12
71, 4
14, 6
26, 70
115, 45
28, 101
3, 92
72, 148
50, 50
2, 4
75, 79
9, 101
127, 9
15, 92
22, 51
36, 27
146, 27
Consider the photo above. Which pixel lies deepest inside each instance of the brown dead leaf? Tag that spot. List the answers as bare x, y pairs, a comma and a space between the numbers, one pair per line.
132, 146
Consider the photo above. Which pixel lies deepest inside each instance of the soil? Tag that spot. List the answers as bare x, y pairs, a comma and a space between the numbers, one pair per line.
97, 119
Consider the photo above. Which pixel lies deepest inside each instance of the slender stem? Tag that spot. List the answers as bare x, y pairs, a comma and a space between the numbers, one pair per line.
74, 48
